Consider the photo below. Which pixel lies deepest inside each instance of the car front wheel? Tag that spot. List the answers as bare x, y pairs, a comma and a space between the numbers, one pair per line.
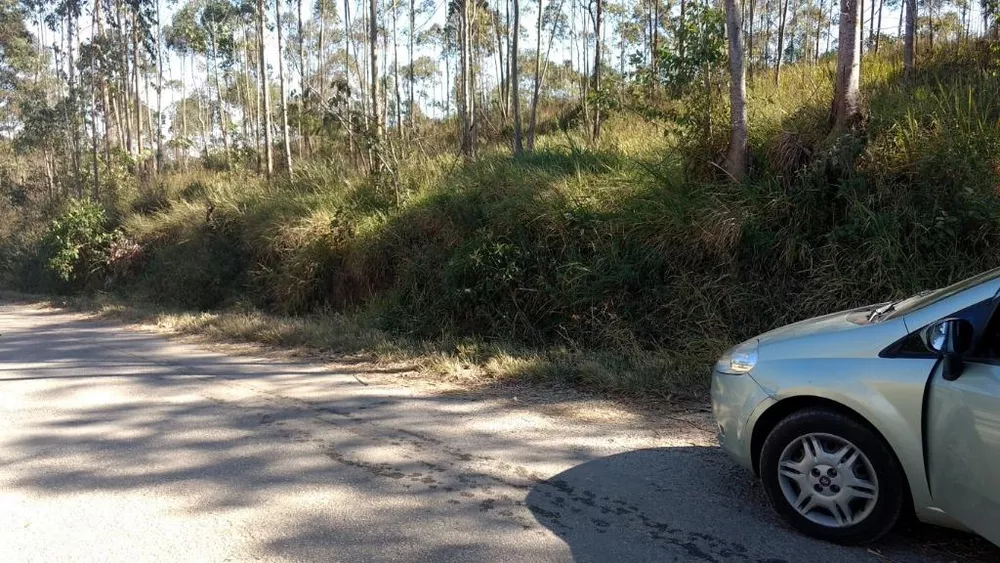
832, 477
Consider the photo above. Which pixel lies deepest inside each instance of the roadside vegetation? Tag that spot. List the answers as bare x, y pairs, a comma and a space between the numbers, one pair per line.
625, 262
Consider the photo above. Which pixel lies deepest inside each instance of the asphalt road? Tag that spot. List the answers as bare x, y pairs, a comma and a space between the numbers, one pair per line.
122, 445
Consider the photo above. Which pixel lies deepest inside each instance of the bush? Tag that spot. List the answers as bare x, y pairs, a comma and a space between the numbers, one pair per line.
75, 248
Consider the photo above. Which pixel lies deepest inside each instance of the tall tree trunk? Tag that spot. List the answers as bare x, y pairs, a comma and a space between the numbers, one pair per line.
502, 68
351, 143
902, 11
965, 21
930, 26
395, 68
321, 55
251, 111
910, 38
584, 81
861, 29
736, 157
515, 82
184, 117
818, 30
149, 123
833, 4
749, 55
286, 137
598, 44
847, 95
532, 121
878, 34
467, 111
448, 86
795, 27
680, 39
265, 91
123, 102
656, 37
136, 72
781, 40
765, 55
40, 45
384, 70
871, 24
303, 99
376, 98
411, 102
93, 122
72, 32
120, 121
218, 95
109, 129
50, 175
159, 92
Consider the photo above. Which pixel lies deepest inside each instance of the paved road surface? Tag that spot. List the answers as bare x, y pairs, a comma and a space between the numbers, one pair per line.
121, 445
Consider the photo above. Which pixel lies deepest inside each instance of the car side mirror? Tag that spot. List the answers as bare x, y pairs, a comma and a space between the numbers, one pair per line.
950, 339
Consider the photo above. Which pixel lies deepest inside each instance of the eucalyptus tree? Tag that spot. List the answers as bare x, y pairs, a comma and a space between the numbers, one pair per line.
443, 38
909, 38
598, 17
281, 84
552, 16
264, 90
780, 52
736, 157
186, 38
66, 15
515, 82
18, 60
376, 99
303, 72
466, 16
847, 94
424, 70
217, 18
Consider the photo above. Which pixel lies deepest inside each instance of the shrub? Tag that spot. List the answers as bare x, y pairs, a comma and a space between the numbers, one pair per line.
75, 248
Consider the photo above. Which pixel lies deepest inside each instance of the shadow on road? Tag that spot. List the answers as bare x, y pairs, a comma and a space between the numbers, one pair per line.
201, 437
695, 501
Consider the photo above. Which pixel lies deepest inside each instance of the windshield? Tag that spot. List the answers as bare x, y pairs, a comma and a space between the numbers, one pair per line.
921, 300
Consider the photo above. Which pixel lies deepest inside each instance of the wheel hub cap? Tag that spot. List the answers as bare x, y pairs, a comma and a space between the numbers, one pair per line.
828, 480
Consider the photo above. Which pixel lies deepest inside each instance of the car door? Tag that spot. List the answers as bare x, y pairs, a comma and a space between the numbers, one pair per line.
962, 437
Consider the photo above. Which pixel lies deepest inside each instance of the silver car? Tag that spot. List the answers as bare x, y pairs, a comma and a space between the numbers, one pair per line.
853, 418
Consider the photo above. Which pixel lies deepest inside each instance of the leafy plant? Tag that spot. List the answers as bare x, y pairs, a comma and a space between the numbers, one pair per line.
77, 243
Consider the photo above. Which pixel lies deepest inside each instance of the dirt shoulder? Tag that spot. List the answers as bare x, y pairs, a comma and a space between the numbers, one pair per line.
429, 370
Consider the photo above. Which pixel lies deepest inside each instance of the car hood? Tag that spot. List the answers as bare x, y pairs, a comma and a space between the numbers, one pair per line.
850, 319
842, 334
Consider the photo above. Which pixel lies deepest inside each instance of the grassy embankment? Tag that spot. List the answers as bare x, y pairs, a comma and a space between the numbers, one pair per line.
623, 267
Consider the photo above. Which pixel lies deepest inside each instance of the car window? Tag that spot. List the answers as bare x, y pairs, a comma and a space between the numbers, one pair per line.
988, 343
920, 301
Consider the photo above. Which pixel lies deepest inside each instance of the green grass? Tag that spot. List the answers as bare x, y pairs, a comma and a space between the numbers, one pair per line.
624, 266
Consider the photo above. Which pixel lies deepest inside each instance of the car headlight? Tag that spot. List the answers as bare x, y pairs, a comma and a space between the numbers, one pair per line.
738, 360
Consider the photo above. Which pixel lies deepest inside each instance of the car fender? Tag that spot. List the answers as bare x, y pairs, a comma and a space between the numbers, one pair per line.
891, 403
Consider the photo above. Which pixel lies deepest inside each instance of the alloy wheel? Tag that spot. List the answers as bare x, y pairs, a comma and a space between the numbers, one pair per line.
828, 480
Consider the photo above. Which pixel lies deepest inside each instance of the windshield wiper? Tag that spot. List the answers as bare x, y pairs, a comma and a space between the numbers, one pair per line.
877, 313
890, 307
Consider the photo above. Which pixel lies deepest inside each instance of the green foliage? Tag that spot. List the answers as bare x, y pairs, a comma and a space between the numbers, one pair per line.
697, 46
77, 243
690, 69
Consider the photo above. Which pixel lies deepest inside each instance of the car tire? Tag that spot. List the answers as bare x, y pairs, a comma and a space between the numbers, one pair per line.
801, 452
